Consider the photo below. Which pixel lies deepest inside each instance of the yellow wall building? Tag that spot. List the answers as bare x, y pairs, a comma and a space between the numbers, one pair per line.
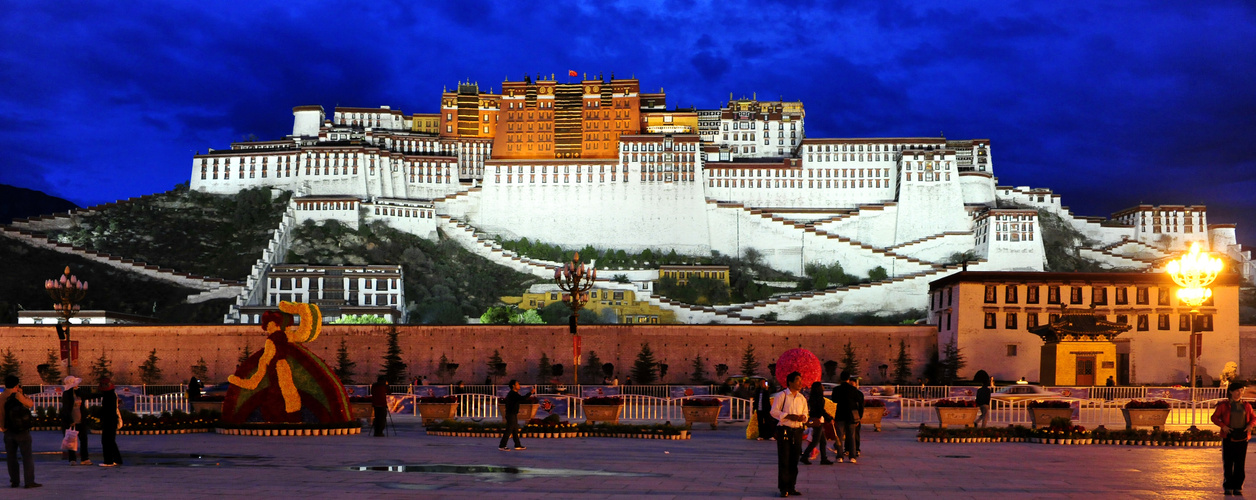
624, 302
682, 273
427, 123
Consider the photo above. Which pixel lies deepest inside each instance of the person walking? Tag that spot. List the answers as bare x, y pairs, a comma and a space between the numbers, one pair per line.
983, 403
16, 423
850, 404
511, 407
71, 414
818, 419
194, 388
763, 410
790, 409
379, 402
1236, 420
110, 422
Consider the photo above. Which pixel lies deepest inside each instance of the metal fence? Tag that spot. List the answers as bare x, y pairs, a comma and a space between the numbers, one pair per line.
1087, 412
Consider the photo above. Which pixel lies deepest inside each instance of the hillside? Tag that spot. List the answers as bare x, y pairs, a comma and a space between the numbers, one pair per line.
211, 235
21, 203
21, 287
444, 283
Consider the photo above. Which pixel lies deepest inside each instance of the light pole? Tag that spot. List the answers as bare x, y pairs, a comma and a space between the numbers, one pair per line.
66, 292
1193, 272
575, 281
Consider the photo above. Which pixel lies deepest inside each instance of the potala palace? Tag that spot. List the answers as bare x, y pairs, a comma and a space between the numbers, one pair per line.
601, 163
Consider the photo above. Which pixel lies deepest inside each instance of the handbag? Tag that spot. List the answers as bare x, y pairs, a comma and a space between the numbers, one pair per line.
119, 418
70, 442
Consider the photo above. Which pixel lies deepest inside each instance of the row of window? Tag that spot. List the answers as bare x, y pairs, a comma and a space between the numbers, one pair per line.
1098, 295
790, 183
1203, 322
825, 148
650, 146
553, 178
753, 125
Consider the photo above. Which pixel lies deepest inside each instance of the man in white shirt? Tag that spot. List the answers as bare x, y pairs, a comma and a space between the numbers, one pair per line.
789, 407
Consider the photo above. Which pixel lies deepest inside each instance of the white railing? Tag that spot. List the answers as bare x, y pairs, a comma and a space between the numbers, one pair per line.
477, 406
156, 405
638, 407
1091, 412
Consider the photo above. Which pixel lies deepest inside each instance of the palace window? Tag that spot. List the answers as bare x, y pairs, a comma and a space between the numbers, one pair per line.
1031, 320
1141, 295
1144, 324
1010, 294
1053, 294
1011, 350
1031, 294
1162, 322
1099, 295
1010, 321
1122, 295
1075, 295
1162, 296
990, 321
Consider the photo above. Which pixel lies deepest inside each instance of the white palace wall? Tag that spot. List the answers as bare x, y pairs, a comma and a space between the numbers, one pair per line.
872, 225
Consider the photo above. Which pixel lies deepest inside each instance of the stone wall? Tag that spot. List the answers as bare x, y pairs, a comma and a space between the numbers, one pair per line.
179, 347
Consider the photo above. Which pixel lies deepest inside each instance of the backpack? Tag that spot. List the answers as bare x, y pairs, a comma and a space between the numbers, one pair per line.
17, 417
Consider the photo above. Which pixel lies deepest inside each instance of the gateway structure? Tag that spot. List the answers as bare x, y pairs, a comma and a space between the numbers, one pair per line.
528, 160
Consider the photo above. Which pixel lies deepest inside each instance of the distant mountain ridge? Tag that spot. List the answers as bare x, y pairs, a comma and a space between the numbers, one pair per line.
20, 203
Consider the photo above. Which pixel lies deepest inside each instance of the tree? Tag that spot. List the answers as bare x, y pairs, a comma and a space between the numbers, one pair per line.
150, 373
443, 368
749, 365
10, 365
245, 352
902, 365
592, 368
344, 365
51, 372
496, 367
100, 367
699, 371
643, 369
393, 370
720, 370
850, 362
544, 370
953, 362
364, 319
200, 370
878, 274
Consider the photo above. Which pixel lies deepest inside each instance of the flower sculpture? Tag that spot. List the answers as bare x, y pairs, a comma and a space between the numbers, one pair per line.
801, 361
285, 382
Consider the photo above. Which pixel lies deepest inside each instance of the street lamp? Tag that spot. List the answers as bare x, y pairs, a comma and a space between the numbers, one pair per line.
1193, 272
575, 281
66, 292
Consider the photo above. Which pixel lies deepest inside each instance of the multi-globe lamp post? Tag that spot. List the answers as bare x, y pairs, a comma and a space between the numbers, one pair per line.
575, 281
66, 292
1193, 272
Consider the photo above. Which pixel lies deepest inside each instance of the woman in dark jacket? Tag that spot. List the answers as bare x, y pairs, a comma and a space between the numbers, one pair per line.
815, 411
109, 424
71, 418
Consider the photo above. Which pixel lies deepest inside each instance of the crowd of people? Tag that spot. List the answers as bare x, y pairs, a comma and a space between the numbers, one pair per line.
789, 418
16, 422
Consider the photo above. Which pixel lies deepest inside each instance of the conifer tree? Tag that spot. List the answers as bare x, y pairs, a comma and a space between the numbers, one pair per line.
10, 365
150, 373
544, 370
850, 362
393, 370
699, 371
953, 363
52, 369
749, 364
592, 368
442, 367
496, 367
344, 365
201, 369
643, 369
101, 367
902, 365
245, 352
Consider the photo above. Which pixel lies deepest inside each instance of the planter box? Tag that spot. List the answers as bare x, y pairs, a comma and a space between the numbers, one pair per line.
206, 405
361, 410
962, 415
873, 416
603, 413
1146, 417
432, 412
526, 412
702, 414
1041, 417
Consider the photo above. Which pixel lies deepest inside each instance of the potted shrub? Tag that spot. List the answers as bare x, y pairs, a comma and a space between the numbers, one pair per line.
956, 412
1041, 413
706, 410
874, 411
435, 408
360, 407
211, 403
603, 409
527, 409
1146, 414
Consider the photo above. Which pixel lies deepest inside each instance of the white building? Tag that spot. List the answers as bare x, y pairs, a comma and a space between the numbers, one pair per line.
337, 290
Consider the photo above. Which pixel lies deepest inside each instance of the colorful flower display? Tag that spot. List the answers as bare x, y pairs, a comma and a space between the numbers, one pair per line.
285, 382
801, 361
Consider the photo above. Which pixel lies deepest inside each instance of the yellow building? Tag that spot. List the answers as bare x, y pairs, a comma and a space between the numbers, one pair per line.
682, 273
427, 123
623, 301
670, 122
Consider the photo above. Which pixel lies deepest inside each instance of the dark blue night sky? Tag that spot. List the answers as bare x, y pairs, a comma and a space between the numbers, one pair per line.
1108, 103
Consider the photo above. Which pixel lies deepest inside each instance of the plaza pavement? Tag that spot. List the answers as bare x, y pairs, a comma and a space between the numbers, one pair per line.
715, 463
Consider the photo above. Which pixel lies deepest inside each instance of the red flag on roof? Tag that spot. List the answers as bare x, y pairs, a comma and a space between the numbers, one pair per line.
572, 72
